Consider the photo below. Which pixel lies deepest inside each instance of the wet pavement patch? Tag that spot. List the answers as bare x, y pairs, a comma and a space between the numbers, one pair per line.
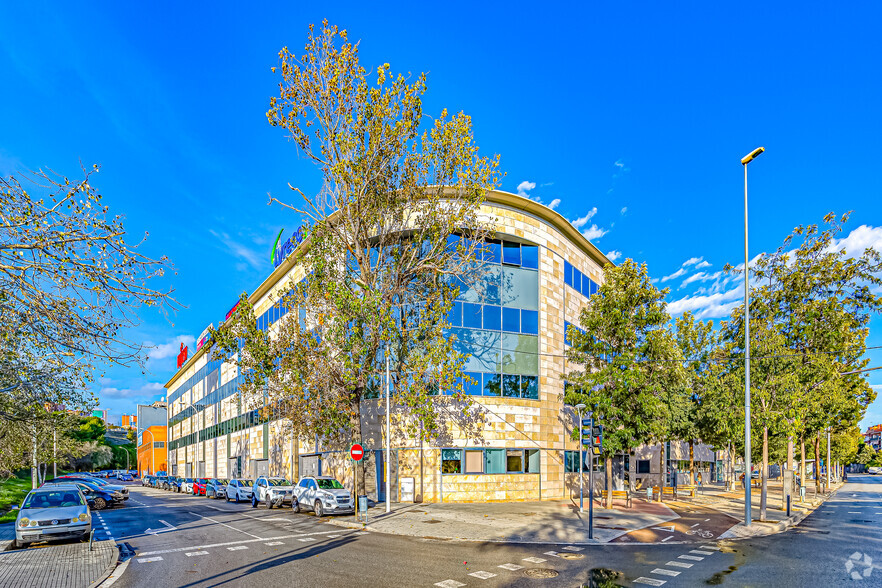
540, 573
570, 555
718, 578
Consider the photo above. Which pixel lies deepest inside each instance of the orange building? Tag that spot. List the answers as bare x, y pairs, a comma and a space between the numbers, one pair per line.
152, 452
130, 421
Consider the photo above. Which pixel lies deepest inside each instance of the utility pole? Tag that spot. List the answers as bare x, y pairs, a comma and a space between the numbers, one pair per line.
386, 465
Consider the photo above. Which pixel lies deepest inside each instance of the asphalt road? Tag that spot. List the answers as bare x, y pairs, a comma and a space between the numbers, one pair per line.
193, 541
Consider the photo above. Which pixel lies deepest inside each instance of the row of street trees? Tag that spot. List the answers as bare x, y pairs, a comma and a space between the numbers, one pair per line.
650, 379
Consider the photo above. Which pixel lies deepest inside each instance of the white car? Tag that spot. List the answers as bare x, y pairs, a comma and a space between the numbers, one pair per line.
272, 492
187, 486
322, 495
239, 489
874, 470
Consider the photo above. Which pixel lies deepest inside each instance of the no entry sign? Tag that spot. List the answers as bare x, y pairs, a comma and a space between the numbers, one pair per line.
357, 452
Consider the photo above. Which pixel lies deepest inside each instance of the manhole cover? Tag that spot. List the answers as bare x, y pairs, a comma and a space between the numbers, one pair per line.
570, 555
540, 573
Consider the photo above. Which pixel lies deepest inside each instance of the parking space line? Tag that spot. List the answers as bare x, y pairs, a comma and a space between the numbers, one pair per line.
192, 547
225, 525
237, 547
192, 553
148, 559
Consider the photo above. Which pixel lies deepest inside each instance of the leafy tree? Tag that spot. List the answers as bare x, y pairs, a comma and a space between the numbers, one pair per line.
90, 429
865, 454
383, 259
629, 361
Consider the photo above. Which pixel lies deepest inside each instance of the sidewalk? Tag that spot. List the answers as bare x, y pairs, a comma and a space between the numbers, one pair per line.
65, 565
517, 522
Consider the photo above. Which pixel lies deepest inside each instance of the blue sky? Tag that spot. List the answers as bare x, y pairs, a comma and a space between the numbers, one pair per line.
632, 116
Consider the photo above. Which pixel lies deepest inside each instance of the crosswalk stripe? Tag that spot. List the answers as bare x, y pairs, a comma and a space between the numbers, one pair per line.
664, 572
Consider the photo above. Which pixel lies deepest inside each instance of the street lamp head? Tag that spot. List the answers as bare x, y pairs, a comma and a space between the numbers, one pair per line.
580, 406
752, 155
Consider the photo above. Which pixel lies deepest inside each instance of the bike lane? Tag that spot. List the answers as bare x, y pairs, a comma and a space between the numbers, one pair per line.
695, 524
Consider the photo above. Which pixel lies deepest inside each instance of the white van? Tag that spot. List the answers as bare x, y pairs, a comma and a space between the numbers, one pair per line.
874, 470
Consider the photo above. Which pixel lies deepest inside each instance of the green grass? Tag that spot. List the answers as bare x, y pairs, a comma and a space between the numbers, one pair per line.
12, 492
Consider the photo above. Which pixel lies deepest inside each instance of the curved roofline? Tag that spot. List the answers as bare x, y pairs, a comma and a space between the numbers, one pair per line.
541, 211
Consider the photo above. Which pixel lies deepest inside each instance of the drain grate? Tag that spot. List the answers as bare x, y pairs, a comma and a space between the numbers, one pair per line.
540, 573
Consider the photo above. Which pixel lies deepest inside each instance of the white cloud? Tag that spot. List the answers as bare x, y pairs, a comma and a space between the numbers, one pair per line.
860, 239
613, 255
702, 264
258, 261
624, 209
148, 390
554, 203
692, 261
699, 277
594, 232
713, 306
524, 187
582, 221
674, 275
170, 348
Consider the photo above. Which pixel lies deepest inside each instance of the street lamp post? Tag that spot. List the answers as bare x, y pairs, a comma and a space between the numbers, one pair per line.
579, 407
388, 435
747, 470
152, 439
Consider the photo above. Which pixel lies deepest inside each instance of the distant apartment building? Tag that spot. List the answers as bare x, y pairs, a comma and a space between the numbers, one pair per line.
873, 437
152, 452
149, 415
129, 421
100, 413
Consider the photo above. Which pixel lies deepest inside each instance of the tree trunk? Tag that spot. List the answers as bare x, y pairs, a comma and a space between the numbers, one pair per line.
818, 463
661, 461
790, 453
609, 481
764, 474
692, 461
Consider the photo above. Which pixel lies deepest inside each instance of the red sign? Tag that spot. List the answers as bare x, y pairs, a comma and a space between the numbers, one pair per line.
357, 452
182, 356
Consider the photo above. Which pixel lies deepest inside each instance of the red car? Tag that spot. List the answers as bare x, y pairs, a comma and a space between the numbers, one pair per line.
199, 486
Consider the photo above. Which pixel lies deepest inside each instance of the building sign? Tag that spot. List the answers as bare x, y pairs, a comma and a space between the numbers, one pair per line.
204, 337
182, 356
281, 253
231, 311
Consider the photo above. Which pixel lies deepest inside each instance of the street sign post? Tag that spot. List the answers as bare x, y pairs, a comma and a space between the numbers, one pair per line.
356, 452
587, 439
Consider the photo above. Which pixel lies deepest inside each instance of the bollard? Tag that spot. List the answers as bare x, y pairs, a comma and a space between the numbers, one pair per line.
91, 537
788, 505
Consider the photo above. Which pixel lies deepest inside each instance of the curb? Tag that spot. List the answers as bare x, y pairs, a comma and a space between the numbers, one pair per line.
791, 521
113, 563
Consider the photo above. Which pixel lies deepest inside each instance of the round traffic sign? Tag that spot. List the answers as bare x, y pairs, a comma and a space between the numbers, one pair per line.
357, 452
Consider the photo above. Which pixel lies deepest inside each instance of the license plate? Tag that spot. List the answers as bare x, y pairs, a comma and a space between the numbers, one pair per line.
30, 537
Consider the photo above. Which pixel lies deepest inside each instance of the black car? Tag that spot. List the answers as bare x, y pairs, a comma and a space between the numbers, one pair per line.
104, 485
98, 498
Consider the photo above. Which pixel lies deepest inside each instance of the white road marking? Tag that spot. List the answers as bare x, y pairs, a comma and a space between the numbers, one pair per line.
224, 524
573, 548
449, 584
237, 547
552, 553
669, 528
148, 559
192, 553
366, 533
690, 557
333, 536
305, 539
649, 581
679, 564
668, 538
695, 525
482, 575
276, 543
664, 572
535, 560
209, 546
714, 547
700, 552
706, 520
854, 512
510, 567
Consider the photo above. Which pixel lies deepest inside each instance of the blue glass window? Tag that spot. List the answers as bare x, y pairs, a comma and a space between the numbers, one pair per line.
530, 322
455, 315
567, 333
530, 256
474, 387
492, 252
568, 273
492, 317
594, 288
511, 386
471, 315
530, 387
511, 320
511, 253
492, 384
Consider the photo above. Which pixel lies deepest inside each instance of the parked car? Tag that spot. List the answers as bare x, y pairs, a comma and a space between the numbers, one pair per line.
239, 489
96, 497
874, 470
186, 485
216, 488
272, 492
322, 494
104, 484
199, 486
56, 512
174, 484
124, 477
147, 481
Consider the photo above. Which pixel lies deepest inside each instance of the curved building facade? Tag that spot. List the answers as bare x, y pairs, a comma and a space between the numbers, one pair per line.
541, 271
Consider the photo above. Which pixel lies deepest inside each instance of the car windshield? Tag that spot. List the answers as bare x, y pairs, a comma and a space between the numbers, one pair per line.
246, 483
223, 481
189, 480
278, 482
329, 484
53, 499
201, 481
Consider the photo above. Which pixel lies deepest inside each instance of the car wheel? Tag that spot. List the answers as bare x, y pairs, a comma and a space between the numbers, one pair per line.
253, 501
100, 503
269, 502
295, 505
236, 499
319, 511
226, 498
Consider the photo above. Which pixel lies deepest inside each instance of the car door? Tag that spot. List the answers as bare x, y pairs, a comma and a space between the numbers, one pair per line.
260, 488
311, 490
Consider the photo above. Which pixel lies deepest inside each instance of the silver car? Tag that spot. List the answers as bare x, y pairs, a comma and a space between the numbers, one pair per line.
53, 512
322, 495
